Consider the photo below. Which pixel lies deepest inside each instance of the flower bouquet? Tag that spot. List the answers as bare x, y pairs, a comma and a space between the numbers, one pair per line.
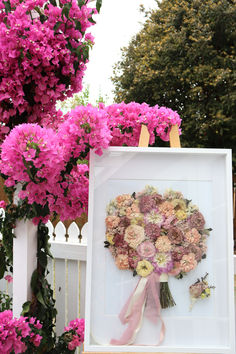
154, 236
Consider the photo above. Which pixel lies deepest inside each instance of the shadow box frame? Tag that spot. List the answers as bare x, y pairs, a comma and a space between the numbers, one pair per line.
205, 177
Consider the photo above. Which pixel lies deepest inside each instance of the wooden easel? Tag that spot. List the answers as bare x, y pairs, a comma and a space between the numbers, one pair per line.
143, 142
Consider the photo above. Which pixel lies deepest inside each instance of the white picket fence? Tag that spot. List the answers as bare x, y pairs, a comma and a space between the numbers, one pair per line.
66, 272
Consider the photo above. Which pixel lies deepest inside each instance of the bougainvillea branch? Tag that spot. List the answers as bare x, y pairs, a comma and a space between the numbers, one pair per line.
44, 49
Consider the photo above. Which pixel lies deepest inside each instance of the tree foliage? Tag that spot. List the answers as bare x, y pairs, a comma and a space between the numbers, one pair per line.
184, 58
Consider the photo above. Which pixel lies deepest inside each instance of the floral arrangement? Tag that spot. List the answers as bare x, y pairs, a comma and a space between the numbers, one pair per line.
125, 122
18, 334
200, 290
155, 236
44, 51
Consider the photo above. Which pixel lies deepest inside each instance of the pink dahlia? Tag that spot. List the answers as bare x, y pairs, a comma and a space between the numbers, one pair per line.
146, 249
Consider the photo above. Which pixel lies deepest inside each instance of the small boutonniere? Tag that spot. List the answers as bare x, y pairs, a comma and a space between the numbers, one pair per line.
200, 290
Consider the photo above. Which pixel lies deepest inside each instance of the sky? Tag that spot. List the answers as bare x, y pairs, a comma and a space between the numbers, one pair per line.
117, 23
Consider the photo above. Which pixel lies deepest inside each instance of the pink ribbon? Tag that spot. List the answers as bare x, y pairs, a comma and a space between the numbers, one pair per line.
145, 296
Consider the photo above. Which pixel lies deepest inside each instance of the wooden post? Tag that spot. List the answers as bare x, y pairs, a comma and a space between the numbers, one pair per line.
24, 263
174, 137
143, 142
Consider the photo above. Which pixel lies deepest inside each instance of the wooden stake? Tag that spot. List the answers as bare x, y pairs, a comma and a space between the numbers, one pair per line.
144, 137
174, 137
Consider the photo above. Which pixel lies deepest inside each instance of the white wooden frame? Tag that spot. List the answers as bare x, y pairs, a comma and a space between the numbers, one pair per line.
183, 167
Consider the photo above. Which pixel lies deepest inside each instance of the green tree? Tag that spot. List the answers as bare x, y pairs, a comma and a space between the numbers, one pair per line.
184, 58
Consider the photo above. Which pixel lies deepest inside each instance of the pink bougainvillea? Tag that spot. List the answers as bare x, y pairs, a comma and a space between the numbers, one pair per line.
43, 56
52, 167
76, 328
15, 333
125, 121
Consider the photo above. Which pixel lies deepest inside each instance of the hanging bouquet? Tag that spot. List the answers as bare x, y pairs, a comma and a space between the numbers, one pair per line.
154, 236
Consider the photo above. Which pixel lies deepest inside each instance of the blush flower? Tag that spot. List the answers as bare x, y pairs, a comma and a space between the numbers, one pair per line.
177, 253
134, 235
166, 208
134, 258
192, 236
122, 261
152, 231
112, 221
146, 203
163, 244
146, 249
188, 262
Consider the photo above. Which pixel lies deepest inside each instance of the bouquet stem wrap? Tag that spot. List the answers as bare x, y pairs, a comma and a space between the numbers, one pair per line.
145, 297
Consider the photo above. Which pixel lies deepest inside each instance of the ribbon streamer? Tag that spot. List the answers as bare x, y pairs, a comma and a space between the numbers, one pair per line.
144, 297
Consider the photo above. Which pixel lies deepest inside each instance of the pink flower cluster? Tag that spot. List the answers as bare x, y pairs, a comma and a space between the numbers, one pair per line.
51, 166
43, 56
15, 332
76, 327
125, 122
148, 232
31, 156
84, 127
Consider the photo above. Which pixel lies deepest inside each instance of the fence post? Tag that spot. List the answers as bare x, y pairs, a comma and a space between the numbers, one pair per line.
24, 262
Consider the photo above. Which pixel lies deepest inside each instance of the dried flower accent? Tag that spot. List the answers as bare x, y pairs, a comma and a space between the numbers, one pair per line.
134, 235
122, 261
200, 290
152, 231
163, 244
175, 235
192, 236
197, 221
144, 268
188, 262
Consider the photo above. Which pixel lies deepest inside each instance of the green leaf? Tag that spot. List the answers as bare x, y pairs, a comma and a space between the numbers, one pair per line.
39, 297
25, 308
98, 5
77, 25
7, 5
57, 25
85, 53
42, 257
66, 10
34, 280
91, 20
2, 262
76, 65
80, 3
53, 2
42, 18
5, 21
